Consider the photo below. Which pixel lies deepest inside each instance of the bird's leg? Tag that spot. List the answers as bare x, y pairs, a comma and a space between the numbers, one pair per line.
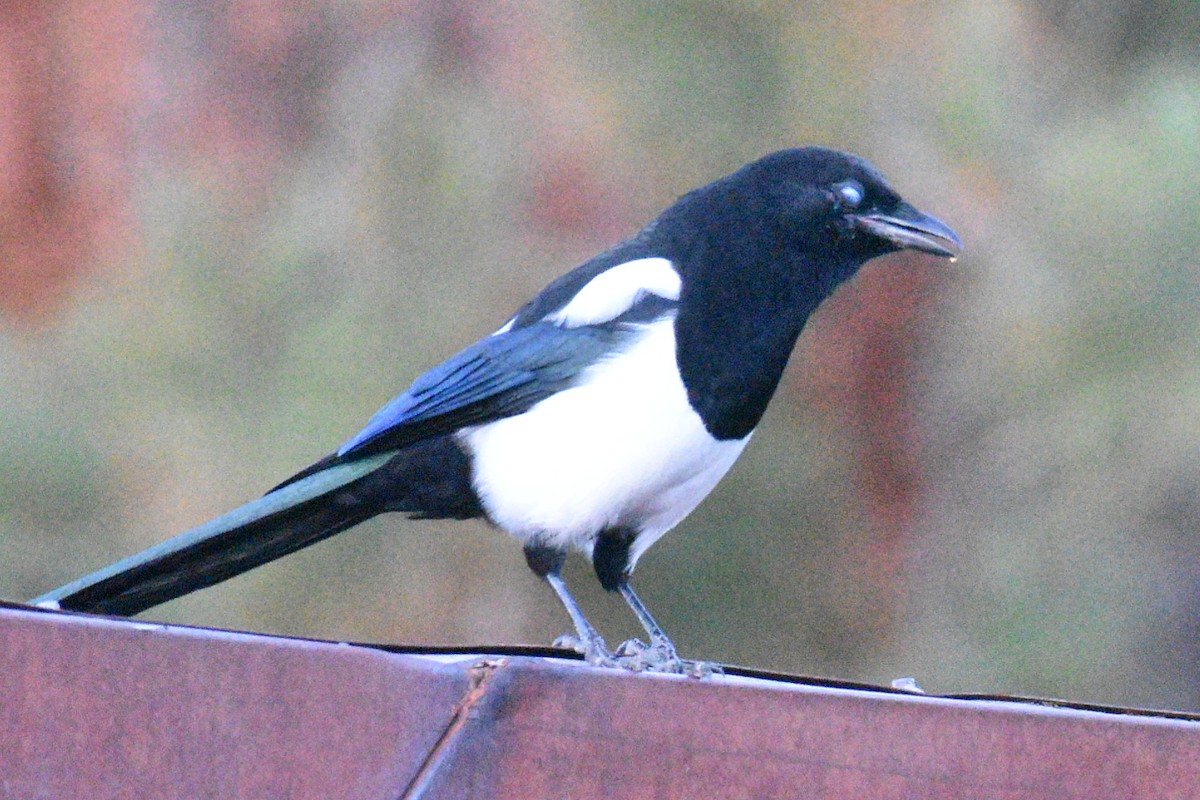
588, 641
547, 562
611, 557
660, 655
658, 639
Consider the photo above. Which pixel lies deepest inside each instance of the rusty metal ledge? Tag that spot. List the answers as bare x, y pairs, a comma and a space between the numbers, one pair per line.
95, 707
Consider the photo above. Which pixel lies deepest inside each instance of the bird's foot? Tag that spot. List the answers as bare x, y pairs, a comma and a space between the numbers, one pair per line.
636, 655
592, 649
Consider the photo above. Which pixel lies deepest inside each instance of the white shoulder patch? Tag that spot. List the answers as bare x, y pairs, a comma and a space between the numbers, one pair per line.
505, 328
614, 291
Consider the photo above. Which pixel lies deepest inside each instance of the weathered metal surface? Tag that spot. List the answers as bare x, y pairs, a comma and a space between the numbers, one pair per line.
550, 732
98, 708
110, 709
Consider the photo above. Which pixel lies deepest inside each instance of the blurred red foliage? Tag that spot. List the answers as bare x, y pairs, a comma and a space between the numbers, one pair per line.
863, 372
95, 93
64, 144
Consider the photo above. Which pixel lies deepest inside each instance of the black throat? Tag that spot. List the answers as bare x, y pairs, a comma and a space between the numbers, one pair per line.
744, 302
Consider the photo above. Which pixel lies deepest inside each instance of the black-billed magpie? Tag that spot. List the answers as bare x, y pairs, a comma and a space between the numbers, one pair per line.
598, 416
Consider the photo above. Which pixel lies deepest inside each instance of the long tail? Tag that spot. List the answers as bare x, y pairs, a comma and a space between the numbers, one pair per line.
429, 479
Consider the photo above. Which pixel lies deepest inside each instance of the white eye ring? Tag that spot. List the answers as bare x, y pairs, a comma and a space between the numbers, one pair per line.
849, 194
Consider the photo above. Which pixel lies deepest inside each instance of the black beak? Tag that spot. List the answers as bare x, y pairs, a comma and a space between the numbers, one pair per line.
909, 229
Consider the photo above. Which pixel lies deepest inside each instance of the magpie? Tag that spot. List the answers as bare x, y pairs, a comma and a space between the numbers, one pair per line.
600, 414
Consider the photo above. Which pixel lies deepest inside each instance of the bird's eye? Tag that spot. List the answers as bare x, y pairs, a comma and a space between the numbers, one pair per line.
848, 194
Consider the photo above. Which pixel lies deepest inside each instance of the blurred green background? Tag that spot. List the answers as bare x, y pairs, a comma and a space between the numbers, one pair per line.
229, 233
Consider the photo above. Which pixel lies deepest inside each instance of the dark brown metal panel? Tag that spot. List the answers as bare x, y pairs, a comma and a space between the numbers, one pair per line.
96, 708
566, 731
101, 708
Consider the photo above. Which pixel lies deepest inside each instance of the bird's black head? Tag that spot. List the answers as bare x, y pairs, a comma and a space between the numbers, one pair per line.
837, 209
758, 251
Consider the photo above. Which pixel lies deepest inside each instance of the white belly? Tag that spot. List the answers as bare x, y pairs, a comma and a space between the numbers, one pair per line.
623, 448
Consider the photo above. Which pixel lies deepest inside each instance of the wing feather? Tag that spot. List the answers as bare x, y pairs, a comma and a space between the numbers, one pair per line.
586, 315
499, 376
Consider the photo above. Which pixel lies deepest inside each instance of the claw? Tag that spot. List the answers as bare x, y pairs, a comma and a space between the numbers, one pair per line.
593, 651
569, 641
630, 648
